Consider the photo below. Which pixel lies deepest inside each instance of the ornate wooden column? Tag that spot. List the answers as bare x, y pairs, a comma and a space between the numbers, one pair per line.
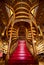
33, 22
12, 23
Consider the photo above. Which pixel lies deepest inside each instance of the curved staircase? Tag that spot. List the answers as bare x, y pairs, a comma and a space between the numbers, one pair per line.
21, 56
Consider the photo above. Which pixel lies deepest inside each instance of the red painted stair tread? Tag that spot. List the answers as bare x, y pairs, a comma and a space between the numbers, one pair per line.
21, 54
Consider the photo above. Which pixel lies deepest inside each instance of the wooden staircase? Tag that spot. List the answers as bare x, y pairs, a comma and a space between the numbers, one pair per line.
12, 34
29, 34
40, 47
21, 56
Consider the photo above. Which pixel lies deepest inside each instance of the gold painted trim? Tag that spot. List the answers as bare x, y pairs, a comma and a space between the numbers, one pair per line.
22, 3
21, 8
22, 13
22, 16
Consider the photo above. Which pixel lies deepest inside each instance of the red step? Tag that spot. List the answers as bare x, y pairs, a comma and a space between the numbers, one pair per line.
21, 55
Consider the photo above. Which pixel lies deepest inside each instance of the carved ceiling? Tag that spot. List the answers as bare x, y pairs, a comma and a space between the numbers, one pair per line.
29, 5
12, 3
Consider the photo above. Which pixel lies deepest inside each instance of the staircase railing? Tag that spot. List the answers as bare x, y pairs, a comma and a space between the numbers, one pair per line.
13, 47
40, 47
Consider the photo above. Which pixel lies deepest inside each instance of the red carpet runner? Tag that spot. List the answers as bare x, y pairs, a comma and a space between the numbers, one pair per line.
21, 56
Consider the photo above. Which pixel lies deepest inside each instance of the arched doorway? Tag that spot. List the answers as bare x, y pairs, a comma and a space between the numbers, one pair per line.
22, 32
22, 26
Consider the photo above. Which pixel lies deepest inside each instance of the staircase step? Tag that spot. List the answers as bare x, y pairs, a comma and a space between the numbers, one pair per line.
21, 54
